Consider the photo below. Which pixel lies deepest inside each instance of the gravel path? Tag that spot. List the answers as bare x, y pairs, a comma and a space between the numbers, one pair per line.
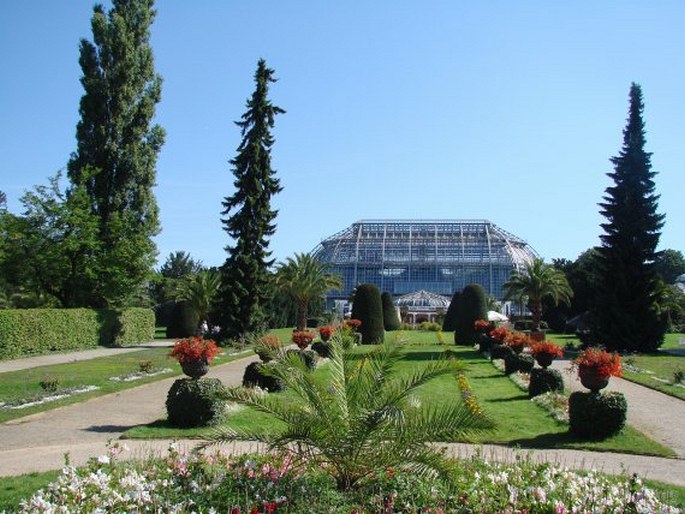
39, 442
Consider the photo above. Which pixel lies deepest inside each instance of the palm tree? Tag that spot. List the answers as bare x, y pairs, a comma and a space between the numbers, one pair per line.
304, 278
200, 291
535, 282
363, 419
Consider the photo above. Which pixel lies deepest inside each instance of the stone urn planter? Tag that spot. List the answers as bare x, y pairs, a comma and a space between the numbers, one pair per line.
194, 355
544, 359
595, 367
592, 379
195, 369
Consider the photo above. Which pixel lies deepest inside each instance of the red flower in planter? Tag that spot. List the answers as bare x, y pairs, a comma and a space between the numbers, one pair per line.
499, 334
193, 349
546, 348
303, 339
354, 324
605, 364
517, 341
326, 332
482, 325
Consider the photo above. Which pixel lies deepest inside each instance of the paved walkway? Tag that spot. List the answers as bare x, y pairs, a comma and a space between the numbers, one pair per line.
40, 441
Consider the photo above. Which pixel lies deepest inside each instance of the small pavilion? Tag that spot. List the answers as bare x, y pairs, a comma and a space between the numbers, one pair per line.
422, 306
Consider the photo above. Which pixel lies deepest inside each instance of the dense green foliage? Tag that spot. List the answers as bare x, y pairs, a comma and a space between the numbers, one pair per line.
450, 321
117, 147
183, 321
367, 307
248, 218
391, 321
304, 278
199, 291
472, 306
500, 351
669, 264
323, 349
26, 332
362, 420
596, 415
626, 316
535, 282
544, 381
514, 362
194, 403
257, 375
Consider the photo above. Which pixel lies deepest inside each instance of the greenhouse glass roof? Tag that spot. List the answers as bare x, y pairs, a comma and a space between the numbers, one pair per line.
438, 256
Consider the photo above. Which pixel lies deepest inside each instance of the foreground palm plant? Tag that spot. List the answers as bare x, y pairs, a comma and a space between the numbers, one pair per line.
365, 419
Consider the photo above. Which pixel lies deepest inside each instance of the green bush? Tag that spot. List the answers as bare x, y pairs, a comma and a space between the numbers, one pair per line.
472, 307
514, 362
194, 403
391, 320
544, 381
368, 308
25, 332
450, 320
323, 349
500, 351
596, 415
256, 375
485, 343
183, 322
430, 326
308, 357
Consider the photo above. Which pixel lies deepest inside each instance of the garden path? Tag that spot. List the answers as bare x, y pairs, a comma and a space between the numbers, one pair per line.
655, 414
39, 442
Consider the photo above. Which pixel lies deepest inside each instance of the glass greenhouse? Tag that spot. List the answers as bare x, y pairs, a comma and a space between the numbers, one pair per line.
442, 256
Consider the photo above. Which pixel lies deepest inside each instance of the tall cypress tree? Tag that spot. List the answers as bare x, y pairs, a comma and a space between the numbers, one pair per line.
625, 315
117, 145
248, 216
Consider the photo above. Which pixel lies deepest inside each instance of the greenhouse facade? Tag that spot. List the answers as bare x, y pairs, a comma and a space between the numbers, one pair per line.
438, 256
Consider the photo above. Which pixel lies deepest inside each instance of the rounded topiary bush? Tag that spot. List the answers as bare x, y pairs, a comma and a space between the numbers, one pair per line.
499, 351
514, 362
596, 415
545, 380
194, 403
472, 307
367, 307
254, 376
323, 349
391, 320
308, 357
486, 343
183, 321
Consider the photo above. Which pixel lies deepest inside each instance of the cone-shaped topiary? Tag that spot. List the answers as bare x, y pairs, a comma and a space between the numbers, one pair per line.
450, 320
472, 307
184, 321
391, 320
368, 308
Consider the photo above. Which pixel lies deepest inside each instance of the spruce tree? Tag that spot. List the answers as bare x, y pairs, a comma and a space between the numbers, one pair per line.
248, 217
117, 145
625, 315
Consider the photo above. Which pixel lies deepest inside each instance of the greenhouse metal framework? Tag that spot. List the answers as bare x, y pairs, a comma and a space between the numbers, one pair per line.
439, 256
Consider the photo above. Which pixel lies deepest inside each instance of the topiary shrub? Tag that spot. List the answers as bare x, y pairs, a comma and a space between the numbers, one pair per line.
323, 349
308, 357
194, 403
596, 415
544, 381
391, 320
183, 322
514, 362
368, 308
450, 320
472, 307
254, 376
500, 351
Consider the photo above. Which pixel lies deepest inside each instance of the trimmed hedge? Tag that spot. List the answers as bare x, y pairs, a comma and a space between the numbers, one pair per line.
195, 403
25, 332
184, 321
596, 415
367, 307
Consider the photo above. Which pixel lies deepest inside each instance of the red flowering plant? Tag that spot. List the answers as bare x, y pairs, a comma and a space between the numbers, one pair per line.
352, 324
326, 332
517, 341
267, 347
546, 348
499, 334
605, 364
193, 349
303, 338
481, 325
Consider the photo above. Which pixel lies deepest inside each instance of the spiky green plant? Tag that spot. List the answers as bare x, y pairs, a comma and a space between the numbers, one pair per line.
364, 418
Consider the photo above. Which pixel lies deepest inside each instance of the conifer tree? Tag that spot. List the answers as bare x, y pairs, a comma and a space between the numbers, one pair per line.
248, 217
626, 316
117, 145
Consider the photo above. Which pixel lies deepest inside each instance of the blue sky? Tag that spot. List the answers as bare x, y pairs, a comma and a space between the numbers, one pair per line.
507, 111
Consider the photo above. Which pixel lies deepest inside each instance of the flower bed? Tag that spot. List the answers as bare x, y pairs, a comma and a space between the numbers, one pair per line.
256, 484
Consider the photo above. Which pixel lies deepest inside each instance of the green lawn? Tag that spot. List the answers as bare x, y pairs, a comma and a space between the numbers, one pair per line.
520, 422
